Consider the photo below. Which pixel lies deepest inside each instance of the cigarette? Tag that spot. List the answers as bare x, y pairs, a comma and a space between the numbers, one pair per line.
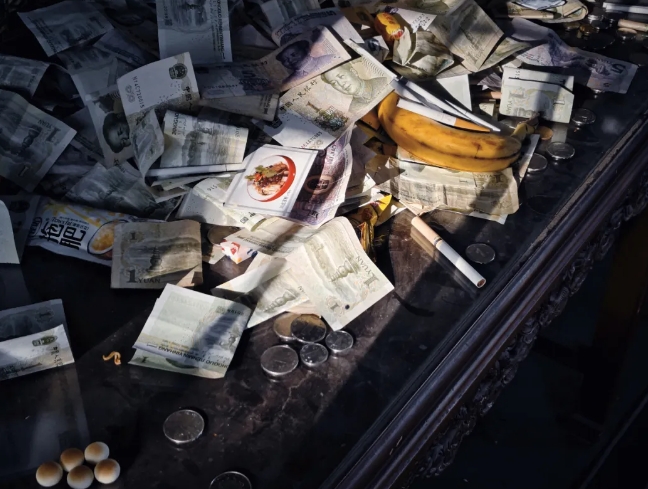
631, 24
524, 14
446, 250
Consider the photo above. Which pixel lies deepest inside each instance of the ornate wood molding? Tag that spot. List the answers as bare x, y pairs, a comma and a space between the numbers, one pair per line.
443, 450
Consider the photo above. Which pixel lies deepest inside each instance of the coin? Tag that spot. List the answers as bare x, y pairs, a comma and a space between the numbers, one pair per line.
281, 326
279, 360
598, 41
339, 342
583, 117
480, 253
308, 328
183, 426
230, 480
545, 133
640, 59
586, 30
560, 151
571, 26
626, 34
537, 164
313, 354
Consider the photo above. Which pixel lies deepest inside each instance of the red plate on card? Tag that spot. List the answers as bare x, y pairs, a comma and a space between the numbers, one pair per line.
271, 178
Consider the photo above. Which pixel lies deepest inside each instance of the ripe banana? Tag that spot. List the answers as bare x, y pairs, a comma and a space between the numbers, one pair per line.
445, 146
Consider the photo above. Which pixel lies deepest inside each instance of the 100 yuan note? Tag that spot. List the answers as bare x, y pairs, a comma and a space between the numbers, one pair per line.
30, 140
337, 275
149, 255
65, 24
194, 329
303, 58
200, 28
166, 84
262, 107
35, 352
197, 141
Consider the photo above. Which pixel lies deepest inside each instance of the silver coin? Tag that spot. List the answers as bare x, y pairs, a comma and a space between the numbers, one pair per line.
480, 253
230, 480
313, 354
279, 360
537, 164
184, 426
583, 117
281, 327
560, 151
339, 342
308, 328
640, 59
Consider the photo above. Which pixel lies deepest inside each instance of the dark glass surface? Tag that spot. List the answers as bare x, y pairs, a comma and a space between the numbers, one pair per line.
295, 432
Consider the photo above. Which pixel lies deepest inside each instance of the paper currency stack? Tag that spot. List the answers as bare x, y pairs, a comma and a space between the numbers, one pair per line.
154, 125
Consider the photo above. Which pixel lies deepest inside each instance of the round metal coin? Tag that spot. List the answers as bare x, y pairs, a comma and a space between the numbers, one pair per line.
480, 253
279, 360
230, 480
537, 164
583, 117
313, 354
339, 342
281, 326
560, 151
545, 133
626, 34
308, 328
184, 426
640, 59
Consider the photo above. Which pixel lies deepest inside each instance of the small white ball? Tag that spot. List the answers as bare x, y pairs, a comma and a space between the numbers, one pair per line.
49, 474
80, 477
70, 458
107, 471
96, 452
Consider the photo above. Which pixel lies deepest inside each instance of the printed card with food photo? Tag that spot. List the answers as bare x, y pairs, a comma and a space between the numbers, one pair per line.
271, 181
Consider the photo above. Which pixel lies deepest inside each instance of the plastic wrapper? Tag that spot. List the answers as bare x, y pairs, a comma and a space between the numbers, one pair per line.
236, 252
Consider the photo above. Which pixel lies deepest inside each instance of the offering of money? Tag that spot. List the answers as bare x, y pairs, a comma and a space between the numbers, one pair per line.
337, 275
30, 140
316, 113
151, 360
271, 181
149, 255
75, 230
118, 44
65, 24
197, 141
85, 140
31, 319
301, 59
91, 69
21, 211
110, 124
200, 28
525, 92
166, 84
422, 52
277, 238
119, 189
277, 12
594, 70
8, 253
332, 18
262, 107
468, 32
148, 142
194, 329
21, 74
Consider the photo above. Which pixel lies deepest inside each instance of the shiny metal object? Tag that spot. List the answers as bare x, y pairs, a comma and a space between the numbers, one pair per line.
308, 328
339, 342
231, 480
278, 361
537, 164
626, 34
281, 327
586, 30
640, 59
560, 151
183, 426
571, 26
480, 253
583, 117
313, 354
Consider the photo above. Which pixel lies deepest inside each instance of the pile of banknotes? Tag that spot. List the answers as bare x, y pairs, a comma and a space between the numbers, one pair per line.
146, 129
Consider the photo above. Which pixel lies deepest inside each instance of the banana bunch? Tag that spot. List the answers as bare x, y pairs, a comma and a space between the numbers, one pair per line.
446, 146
